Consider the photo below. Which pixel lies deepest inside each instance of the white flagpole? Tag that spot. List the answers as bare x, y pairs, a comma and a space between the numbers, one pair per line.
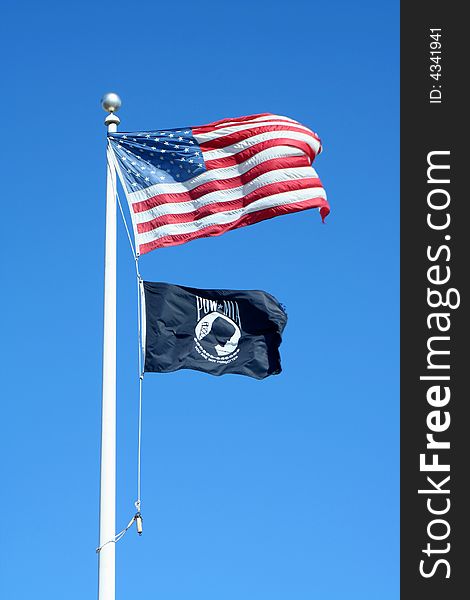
106, 570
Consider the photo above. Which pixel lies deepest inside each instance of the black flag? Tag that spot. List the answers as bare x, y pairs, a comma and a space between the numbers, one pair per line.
215, 331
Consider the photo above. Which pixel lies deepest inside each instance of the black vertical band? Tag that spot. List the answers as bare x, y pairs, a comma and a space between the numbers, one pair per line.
435, 336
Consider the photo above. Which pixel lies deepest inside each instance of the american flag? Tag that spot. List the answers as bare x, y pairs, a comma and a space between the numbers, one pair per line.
183, 184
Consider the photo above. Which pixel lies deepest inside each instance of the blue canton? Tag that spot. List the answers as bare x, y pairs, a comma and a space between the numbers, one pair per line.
150, 157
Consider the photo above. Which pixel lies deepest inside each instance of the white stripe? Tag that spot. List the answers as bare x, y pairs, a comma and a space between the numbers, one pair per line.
255, 120
220, 196
262, 137
214, 174
226, 217
213, 135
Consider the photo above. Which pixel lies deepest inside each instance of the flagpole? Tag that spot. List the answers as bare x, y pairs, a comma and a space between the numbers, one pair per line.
106, 570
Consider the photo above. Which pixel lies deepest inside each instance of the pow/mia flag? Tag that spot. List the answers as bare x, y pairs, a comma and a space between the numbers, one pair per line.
215, 331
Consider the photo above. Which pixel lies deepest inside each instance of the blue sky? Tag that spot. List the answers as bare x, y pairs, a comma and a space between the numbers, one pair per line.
284, 488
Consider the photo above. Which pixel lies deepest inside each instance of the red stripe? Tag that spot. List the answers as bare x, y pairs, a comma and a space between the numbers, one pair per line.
239, 136
213, 230
216, 124
223, 184
234, 159
234, 122
218, 207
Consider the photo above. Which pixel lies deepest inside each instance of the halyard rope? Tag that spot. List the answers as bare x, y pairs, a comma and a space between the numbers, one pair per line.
139, 280
118, 536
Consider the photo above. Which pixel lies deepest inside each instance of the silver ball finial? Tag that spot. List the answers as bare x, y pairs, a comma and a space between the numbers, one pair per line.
111, 102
